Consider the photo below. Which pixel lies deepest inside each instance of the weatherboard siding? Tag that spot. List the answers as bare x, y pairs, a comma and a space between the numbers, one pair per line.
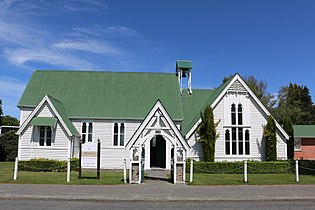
24, 113
112, 157
29, 145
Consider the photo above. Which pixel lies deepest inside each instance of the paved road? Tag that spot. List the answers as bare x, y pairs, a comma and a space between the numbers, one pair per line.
180, 205
157, 191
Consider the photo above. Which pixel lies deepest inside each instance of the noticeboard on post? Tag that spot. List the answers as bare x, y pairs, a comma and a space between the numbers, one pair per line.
89, 155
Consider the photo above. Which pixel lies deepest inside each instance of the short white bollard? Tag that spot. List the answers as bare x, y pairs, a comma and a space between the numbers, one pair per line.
125, 171
191, 170
16, 168
297, 178
245, 171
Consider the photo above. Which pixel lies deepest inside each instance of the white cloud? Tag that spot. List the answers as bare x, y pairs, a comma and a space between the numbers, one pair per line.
89, 46
10, 93
20, 57
125, 31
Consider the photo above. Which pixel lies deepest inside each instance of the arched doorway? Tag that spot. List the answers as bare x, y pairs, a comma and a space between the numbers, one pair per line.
158, 152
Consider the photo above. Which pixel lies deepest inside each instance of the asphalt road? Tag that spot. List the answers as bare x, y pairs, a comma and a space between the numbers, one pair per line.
87, 205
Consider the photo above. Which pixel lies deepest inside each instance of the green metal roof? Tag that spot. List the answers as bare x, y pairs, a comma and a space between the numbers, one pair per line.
112, 95
44, 121
62, 112
304, 131
184, 64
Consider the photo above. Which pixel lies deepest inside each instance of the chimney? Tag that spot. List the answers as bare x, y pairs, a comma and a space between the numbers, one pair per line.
183, 70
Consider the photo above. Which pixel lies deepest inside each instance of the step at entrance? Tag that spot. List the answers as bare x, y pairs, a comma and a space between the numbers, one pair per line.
158, 174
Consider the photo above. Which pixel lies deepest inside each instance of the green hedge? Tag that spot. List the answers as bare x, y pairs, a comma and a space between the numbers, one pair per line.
47, 165
253, 167
306, 166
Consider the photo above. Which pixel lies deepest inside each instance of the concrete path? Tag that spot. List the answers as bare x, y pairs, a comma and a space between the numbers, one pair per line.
157, 192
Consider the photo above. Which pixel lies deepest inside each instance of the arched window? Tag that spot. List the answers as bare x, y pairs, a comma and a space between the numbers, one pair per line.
90, 137
122, 134
119, 134
233, 114
240, 114
247, 142
227, 141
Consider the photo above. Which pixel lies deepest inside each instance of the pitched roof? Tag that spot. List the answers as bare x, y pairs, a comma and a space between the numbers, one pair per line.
195, 103
304, 131
112, 95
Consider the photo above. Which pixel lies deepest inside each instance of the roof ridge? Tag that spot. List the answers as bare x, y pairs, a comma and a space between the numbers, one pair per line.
102, 71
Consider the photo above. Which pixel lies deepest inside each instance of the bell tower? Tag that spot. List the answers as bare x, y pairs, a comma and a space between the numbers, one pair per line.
183, 70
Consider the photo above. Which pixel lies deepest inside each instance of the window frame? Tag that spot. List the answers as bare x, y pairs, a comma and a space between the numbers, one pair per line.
240, 129
118, 135
86, 133
45, 136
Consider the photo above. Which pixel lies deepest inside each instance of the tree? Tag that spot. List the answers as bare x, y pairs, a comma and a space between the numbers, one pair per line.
9, 120
208, 134
288, 127
259, 88
1, 113
8, 146
295, 102
270, 140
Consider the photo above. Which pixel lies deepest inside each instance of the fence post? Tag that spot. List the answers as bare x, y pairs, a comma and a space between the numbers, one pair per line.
125, 171
68, 170
16, 168
297, 178
191, 170
245, 171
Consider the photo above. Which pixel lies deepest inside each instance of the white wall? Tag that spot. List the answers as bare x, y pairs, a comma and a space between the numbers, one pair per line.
112, 157
29, 141
24, 113
253, 119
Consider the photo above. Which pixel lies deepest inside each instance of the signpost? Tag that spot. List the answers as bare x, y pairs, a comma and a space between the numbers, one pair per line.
90, 157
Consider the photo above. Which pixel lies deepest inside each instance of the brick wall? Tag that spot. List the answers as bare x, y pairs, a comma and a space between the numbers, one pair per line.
307, 149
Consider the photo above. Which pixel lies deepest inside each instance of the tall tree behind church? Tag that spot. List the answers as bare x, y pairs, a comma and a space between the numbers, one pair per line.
295, 102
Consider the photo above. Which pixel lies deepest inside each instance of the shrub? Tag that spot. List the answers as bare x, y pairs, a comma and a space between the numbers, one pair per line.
306, 166
47, 165
253, 167
8, 146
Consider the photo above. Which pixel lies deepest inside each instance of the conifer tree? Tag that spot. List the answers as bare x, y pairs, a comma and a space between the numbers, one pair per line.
270, 139
208, 134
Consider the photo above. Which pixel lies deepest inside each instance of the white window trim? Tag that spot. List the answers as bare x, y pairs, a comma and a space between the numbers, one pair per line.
45, 138
237, 142
230, 126
87, 130
113, 127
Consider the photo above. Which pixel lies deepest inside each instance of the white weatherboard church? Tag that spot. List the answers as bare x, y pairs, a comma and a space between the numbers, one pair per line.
139, 117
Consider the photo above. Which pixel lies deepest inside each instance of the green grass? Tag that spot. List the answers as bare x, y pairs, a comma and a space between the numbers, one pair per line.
253, 179
27, 177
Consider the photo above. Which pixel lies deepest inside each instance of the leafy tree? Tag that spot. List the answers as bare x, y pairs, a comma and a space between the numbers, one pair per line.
8, 146
208, 134
9, 120
1, 113
259, 88
270, 140
295, 102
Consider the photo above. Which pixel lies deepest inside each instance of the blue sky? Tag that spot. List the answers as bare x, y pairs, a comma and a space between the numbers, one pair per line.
273, 40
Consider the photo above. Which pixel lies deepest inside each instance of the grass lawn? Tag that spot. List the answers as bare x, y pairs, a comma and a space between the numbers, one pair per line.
27, 177
253, 179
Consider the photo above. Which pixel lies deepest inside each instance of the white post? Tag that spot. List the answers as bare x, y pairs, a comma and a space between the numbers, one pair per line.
68, 170
16, 168
125, 171
191, 171
297, 178
245, 171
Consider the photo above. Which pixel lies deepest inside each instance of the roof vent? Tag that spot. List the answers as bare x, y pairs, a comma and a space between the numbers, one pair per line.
183, 70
